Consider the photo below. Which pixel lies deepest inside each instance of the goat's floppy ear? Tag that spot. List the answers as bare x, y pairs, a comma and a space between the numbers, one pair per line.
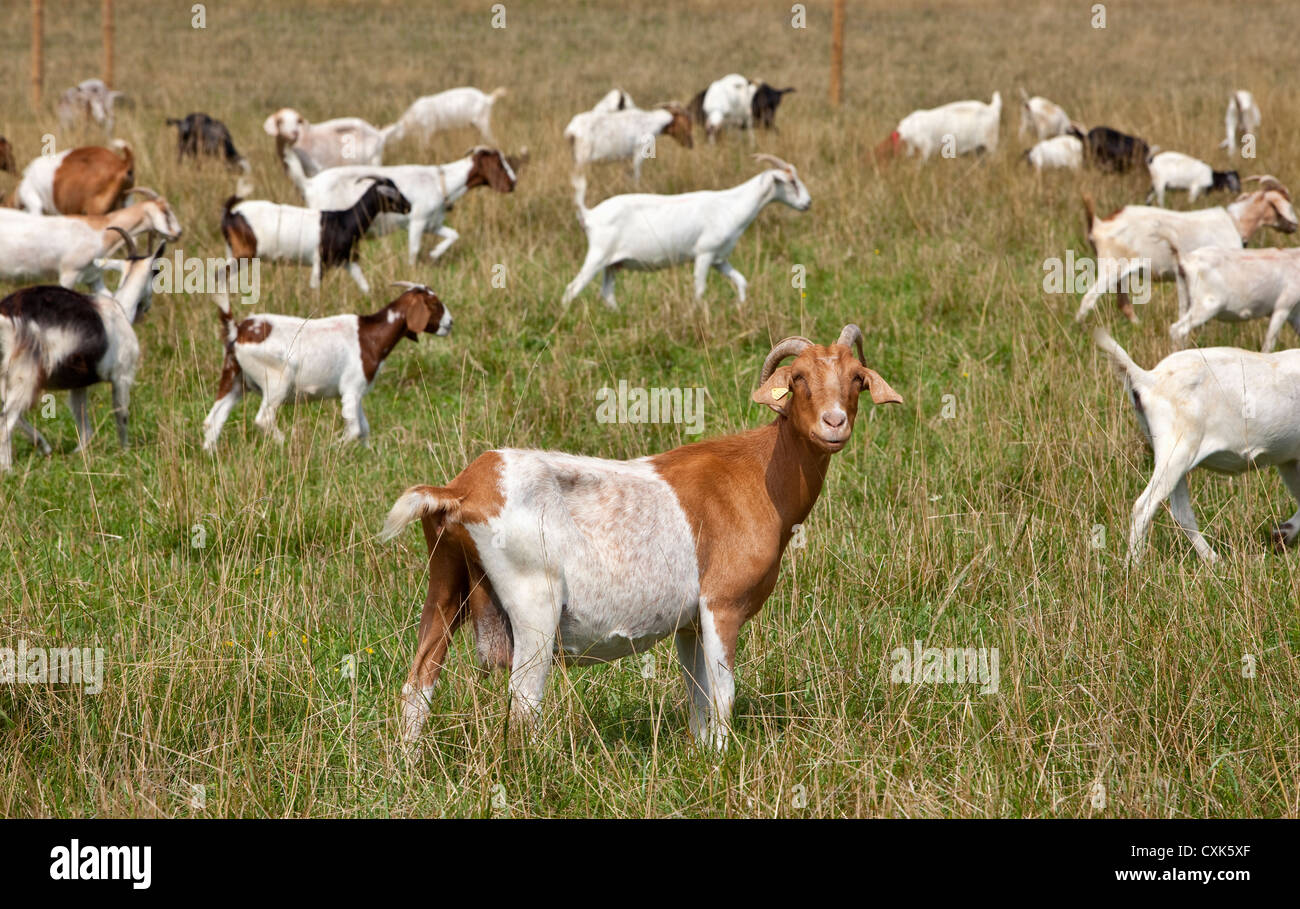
881, 393
417, 317
775, 392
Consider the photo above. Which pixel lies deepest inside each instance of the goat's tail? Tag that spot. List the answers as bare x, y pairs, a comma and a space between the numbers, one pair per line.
122, 147
997, 101
419, 502
580, 197
1136, 375
496, 93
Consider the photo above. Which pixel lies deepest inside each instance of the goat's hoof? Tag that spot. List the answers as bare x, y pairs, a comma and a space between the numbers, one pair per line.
1283, 536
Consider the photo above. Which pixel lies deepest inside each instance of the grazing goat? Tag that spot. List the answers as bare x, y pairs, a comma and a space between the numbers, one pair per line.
1242, 118
727, 102
1042, 119
80, 181
334, 143
1235, 285
1057, 152
88, 100
1112, 151
284, 358
1225, 409
452, 109
52, 338
1138, 236
954, 129
1174, 170
67, 246
584, 560
431, 191
323, 238
200, 135
7, 162
624, 134
646, 232
765, 102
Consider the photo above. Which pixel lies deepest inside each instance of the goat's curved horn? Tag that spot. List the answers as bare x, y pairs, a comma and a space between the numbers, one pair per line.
790, 347
144, 191
773, 160
1269, 182
130, 244
850, 336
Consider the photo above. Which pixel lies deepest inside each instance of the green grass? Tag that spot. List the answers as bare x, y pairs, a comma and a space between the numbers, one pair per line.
224, 659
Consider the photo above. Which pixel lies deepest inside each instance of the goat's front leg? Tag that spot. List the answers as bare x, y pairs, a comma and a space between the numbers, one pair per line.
607, 287
594, 263
314, 283
35, 436
1280, 317
81, 417
449, 237
121, 411
353, 418
735, 278
355, 271
1285, 534
708, 668
273, 395
702, 265
415, 228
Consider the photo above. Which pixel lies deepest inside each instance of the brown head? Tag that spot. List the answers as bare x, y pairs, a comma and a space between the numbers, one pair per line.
679, 127
7, 156
1271, 204
422, 310
489, 168
888, 148
818, 392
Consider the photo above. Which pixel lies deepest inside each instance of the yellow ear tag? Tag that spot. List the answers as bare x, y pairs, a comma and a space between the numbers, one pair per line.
779, 393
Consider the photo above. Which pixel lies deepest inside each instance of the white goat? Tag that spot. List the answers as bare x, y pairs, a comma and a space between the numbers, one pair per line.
1057, 152
88, 100
1236, 285
646, 232
1225, 409
623, 134
1242, 115
285, 358
323, 239
334, 143
452, 109
1041, 119
1138, 236
1174, 170
729, 102
54, 338
953, 129
33, 247
431, 191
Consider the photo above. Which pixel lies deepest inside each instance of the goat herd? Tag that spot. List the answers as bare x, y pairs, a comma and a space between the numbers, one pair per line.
544, 553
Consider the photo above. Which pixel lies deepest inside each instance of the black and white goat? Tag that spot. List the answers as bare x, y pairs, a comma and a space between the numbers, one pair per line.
199, 135
325, 239
52, 338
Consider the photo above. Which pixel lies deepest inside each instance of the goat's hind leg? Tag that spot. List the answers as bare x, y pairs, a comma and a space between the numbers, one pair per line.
442, 615
1171, 467
1284, 535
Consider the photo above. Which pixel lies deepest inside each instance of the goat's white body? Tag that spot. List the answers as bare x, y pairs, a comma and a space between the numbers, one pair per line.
286, 233
1237, 285
1042, 119
962, 126
1174, 170
34, 247
452, 109
596, 552
1225, 409
333, 143
729, 102
616, 136
1057, 152
1242, 115
431, 190
644, 231
35, 190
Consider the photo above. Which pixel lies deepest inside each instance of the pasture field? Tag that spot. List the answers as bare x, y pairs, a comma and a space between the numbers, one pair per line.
990, 510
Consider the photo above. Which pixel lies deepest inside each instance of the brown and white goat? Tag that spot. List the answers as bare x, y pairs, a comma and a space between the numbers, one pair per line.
286, 358
586, 560
81, 181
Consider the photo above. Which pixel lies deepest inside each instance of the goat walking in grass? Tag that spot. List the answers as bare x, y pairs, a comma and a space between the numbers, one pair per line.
285, 358
644, 232
587, 560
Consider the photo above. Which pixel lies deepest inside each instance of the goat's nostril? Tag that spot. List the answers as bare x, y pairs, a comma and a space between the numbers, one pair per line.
834, 419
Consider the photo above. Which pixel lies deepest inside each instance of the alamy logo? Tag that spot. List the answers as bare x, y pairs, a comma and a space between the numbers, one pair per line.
211, 275
25, 665
76, 862
1073, 275
946, 665
651, 405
